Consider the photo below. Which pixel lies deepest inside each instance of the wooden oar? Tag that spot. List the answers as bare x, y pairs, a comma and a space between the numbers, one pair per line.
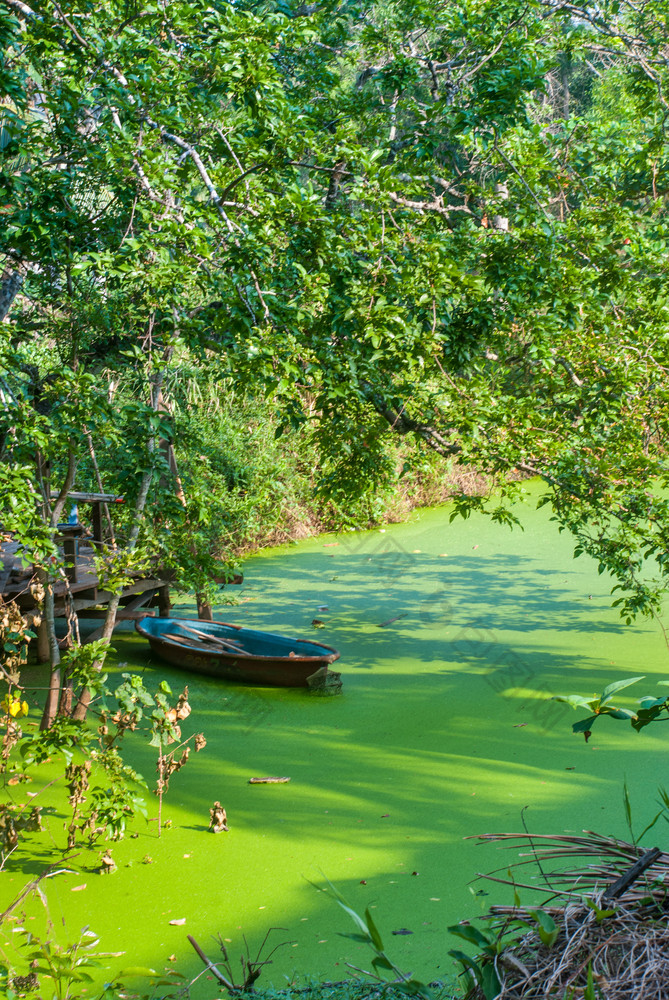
201, 647
229, 644
184, 640
208, 637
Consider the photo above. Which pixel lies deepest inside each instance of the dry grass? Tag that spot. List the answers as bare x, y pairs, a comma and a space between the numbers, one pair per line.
437, 485
625, 952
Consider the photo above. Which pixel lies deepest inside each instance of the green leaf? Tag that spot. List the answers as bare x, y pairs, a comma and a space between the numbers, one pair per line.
355, 917
600, 915
627, 805
575, 700
414, 988
490, 983
381, 962
589, 991
137, 970
645, 716
548, 930
611, 689
352, 936
467, 961
469, 933
584, 725
373, 932
650, 702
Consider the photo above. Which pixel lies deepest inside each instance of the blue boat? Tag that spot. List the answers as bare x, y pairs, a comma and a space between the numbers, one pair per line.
240, 654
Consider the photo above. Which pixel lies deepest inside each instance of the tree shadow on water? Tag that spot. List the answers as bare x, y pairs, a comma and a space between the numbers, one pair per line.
503, 592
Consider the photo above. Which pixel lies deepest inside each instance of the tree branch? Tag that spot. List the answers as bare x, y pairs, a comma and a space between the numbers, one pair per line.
429, 206
21, 7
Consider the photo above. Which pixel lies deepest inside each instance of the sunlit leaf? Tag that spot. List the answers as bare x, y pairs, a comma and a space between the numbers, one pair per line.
611, 689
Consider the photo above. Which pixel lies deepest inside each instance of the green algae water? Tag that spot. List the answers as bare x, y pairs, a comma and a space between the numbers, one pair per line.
452, 638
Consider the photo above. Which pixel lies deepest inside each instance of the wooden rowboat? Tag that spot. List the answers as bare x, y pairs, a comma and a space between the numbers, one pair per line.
240, 654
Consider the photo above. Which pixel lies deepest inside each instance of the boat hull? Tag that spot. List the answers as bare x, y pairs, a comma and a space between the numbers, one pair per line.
267, 660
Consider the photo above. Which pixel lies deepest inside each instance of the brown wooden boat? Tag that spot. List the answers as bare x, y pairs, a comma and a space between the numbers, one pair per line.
240, 654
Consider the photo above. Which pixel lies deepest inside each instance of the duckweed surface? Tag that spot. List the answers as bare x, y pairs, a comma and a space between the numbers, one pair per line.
453, 636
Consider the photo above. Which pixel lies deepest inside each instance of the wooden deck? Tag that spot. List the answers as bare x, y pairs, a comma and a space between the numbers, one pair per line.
81, 591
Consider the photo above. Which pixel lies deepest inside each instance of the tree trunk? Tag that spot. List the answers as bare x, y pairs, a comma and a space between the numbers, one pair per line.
164, 603
9, 288
51, 706
43, 651
84, 700
66, 694
204, 608
53, 697
501, 222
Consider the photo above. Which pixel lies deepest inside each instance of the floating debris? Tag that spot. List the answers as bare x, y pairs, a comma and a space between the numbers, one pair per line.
268, 781
218, 819
391, 620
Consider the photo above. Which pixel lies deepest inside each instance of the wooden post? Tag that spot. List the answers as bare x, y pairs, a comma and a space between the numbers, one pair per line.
96, 514
164, 603
43, 652
70, 545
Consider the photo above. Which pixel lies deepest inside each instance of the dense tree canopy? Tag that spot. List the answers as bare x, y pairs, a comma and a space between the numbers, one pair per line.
440, 220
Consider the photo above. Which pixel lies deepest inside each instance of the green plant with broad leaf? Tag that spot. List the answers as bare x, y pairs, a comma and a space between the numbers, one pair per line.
64, 738
104, 791
545, 927
66, 968
602, 913
601, 705
652, 709
68, 971
367, 933
481, 970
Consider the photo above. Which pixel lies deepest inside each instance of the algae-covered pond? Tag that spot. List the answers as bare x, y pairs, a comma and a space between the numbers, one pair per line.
452, 635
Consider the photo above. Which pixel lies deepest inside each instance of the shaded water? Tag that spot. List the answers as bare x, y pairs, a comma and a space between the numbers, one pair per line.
443, 731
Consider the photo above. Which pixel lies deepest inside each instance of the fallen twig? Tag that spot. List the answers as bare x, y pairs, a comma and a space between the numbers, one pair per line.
391, 620
210, 965
268, 781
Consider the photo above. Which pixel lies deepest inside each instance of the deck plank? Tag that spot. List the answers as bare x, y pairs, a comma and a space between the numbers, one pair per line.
87, 592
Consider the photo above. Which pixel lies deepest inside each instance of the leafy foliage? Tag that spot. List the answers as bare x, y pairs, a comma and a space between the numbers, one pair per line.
442, 223
653, 709
599, 706
449, 223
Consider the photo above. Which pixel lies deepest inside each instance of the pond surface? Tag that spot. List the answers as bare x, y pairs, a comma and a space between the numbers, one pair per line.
452, 636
